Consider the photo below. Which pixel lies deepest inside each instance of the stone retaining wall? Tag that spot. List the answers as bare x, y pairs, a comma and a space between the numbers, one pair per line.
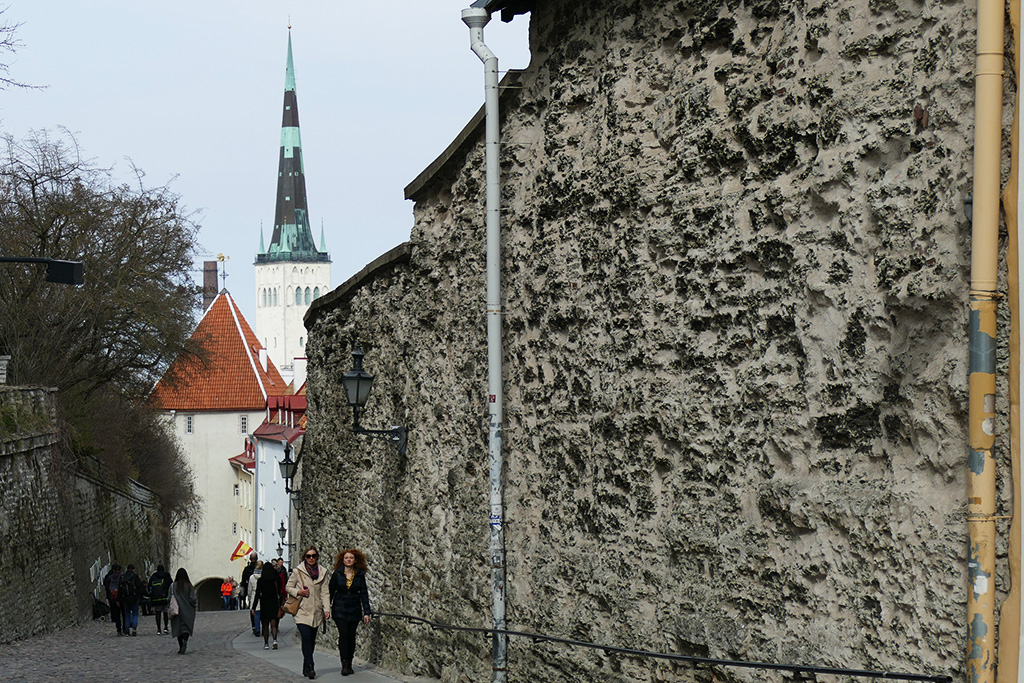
61, 525
735, 267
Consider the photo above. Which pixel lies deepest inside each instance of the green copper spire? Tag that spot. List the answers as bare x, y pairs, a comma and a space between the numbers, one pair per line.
289, 70
292, 239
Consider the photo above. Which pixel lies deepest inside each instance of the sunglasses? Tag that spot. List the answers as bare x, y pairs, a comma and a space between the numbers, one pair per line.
312, 556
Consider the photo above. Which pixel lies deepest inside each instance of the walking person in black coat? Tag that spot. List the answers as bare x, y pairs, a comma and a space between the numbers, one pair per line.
267, 601
350, 602
111, 584
159, 596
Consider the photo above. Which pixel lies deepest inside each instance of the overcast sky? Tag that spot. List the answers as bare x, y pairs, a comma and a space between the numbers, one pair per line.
192, 92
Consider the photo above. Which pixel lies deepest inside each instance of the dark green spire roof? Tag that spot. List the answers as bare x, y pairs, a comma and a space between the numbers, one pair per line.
292, 239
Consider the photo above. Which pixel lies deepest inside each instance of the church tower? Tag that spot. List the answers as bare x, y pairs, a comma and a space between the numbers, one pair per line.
292, 271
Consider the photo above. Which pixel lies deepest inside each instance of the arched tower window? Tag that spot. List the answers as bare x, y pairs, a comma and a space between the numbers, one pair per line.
275, 303
307, 295
316, 293
298, 295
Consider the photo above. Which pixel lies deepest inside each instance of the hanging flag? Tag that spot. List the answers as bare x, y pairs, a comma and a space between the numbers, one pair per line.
241, 550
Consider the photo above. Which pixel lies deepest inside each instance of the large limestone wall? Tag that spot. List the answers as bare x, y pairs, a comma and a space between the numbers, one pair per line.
61, 524
735, 268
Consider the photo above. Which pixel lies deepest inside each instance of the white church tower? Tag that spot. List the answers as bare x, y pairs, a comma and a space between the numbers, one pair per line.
291, 272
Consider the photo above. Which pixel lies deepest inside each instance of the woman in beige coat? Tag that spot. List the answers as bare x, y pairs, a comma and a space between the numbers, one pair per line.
309, 582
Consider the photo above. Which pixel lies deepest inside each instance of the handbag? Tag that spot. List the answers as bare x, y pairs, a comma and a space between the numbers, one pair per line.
172, 606
291, 606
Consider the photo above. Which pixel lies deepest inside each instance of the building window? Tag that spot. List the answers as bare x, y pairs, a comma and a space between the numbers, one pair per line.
298, 296
307, 296
189, 426
302, 342
243, 424
316, 293
263, 495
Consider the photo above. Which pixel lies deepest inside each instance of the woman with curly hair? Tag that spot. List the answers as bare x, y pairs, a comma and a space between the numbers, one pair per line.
350, 602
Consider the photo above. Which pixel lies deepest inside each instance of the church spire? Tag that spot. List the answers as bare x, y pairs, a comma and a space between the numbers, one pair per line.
292, 238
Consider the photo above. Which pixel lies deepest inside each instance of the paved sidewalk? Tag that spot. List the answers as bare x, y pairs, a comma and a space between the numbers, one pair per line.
222, 649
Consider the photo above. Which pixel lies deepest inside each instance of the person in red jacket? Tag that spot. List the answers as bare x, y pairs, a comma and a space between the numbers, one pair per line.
225, 593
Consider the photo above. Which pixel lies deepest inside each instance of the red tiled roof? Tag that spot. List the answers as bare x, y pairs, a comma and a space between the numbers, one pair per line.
232, 378
277, 432
243, 460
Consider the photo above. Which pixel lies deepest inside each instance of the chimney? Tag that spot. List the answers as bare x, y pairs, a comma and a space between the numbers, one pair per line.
209, 283
299, 367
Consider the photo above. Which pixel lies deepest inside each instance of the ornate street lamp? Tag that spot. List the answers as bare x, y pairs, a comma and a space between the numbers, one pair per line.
288, 467
282, 532
357, 383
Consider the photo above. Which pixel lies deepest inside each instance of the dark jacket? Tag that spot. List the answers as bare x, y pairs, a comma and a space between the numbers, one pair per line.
111, 582
159, 589
130, 583
268, 593
246, 573
349, 603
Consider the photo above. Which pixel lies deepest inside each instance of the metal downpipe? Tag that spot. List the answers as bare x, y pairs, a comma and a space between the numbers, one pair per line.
476, 19
981, 478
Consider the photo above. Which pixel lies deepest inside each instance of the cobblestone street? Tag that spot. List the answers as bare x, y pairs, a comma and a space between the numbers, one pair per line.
222, 649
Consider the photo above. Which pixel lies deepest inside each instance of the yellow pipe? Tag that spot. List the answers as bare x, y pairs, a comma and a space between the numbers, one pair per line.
981, 479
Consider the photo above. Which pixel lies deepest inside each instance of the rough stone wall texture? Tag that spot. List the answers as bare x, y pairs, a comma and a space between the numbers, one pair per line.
735, 267
61, 525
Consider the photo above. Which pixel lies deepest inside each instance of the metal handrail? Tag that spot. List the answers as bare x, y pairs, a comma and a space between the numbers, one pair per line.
609, 649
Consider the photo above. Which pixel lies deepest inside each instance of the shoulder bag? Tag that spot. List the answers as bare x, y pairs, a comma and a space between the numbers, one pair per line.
290, 606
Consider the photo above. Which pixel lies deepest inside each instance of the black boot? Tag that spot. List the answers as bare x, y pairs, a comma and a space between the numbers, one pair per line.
346, 667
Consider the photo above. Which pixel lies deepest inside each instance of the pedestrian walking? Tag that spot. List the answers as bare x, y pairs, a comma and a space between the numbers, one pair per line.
225, 593
266, 602
246, 573
235, 590
129, 591
254, 614
282, 573
112, 583
350, 602
184, 622
309, 582
159, 595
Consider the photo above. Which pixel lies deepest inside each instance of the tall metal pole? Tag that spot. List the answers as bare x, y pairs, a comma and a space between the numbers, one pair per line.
476, 19
981, 477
